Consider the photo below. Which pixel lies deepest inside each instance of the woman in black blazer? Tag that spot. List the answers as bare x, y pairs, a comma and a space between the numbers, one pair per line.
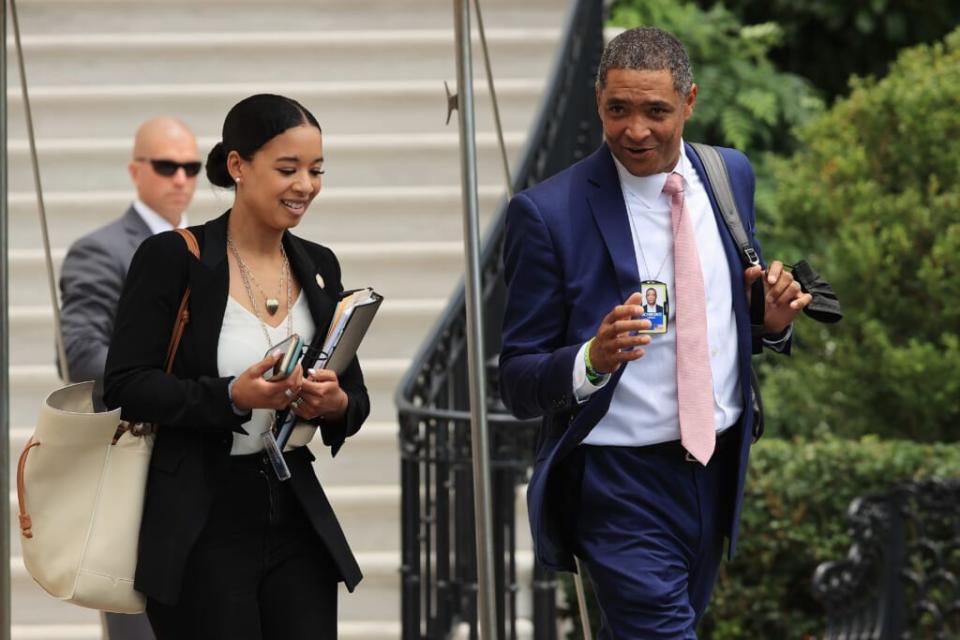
227, 550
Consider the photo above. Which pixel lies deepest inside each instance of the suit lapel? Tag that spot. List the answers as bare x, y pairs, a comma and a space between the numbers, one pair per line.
320, 303
606, 202
210, 282
136, 229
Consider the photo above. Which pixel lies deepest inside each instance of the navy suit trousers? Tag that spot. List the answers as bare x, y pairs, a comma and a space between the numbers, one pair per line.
649, 528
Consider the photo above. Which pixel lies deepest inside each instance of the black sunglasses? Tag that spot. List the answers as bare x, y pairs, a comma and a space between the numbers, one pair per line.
169, 167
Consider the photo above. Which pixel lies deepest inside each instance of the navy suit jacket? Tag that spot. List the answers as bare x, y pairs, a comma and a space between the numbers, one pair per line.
568, 260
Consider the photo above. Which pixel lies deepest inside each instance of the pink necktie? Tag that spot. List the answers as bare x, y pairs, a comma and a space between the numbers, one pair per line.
694, 381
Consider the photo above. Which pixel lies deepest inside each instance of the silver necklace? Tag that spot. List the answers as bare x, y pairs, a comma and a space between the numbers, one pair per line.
246, 275
271, 304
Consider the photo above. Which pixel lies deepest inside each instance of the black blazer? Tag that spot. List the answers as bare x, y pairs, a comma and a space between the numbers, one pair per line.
192, 408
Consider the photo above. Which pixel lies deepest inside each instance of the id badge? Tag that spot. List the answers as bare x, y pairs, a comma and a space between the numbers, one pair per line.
656, 306
276, 457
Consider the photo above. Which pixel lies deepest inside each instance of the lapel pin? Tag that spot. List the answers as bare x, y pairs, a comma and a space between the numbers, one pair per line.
320, 281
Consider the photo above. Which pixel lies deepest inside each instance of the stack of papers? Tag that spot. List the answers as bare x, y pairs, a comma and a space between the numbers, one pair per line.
350, 322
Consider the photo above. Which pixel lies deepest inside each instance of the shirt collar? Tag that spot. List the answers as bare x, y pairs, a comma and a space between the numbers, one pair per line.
649, 189
156, 222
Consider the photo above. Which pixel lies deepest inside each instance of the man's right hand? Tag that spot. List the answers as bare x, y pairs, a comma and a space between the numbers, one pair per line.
614, 335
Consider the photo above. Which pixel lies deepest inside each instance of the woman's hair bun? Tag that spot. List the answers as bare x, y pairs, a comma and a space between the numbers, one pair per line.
217, 172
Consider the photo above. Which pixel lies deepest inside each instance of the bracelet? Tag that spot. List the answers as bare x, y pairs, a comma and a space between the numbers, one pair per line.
593, 376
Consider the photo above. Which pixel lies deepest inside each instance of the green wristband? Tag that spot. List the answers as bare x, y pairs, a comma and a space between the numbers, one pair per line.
593, 376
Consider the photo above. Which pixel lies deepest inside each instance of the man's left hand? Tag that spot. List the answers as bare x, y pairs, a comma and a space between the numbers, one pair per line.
784, 297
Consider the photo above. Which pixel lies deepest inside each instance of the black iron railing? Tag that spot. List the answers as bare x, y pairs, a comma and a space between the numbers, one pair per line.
439, 584
901, 577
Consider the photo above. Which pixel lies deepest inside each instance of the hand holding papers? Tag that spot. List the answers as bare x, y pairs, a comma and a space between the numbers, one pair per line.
334, 351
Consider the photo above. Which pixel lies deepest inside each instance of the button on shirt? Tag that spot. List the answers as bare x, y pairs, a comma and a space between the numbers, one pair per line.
644, 409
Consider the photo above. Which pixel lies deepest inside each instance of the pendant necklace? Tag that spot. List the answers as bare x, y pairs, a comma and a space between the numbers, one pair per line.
271, 304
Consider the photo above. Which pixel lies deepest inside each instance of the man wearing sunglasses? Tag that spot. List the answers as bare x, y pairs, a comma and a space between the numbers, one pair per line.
164, 169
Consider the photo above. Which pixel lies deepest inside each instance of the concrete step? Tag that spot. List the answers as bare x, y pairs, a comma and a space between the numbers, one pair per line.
189, 16
351, 161
356, 106
396, 270
401, 326
30, 385
338, 214
347, 629
376, 599
235, 56
369, 515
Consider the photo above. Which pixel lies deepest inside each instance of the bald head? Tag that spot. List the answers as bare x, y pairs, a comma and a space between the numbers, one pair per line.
164, 138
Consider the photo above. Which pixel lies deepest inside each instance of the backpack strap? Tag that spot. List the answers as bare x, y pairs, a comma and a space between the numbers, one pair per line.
719, 179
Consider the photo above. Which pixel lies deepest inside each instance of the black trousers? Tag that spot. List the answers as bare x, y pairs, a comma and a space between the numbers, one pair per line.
258, 572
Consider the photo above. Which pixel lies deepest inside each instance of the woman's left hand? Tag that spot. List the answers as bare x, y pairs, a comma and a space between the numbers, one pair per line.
320, 396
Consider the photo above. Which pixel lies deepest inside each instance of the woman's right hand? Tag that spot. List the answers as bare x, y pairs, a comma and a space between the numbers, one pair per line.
251, 391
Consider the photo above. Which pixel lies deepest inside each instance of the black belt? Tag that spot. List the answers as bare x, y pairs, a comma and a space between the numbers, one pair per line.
673, 448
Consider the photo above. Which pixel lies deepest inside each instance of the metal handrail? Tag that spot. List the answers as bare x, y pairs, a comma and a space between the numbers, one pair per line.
532, 157
5, 604
439, 579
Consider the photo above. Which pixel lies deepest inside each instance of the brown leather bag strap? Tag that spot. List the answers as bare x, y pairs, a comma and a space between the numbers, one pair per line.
26, 526
183, 314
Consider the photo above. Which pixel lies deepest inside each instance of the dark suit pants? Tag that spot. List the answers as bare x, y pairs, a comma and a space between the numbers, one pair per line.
649, 529
123, 626
258, 571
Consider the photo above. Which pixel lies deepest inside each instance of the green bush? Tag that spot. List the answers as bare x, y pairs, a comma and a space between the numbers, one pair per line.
827, 41
874, 201
794, 518
743, 101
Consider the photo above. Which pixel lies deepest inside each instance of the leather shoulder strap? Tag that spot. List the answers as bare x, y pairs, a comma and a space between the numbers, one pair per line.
719, 179
183, 314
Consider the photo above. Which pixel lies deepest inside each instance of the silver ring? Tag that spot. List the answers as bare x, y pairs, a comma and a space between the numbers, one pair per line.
296, 403
288, 393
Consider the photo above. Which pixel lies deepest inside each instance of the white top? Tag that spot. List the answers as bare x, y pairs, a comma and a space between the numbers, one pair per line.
156, 222
643, 409
242, 344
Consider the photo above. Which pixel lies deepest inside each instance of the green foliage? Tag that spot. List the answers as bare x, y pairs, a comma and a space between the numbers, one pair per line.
874, 202
743, 101
794, 518
828, 41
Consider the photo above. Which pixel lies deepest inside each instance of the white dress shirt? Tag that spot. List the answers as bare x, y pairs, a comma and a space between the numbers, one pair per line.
643, 409
156, 222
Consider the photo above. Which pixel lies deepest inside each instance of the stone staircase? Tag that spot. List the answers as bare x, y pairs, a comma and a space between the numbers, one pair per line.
372, 71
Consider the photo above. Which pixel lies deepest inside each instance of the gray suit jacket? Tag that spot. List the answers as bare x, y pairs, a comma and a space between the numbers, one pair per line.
91, 280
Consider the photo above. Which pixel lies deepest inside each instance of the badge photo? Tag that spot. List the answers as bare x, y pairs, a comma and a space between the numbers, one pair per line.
656, 307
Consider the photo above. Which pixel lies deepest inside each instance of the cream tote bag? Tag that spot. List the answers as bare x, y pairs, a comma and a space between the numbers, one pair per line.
81, 481
81, 499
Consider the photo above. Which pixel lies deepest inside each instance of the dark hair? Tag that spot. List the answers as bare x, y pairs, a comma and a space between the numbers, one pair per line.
647, 49
249, 125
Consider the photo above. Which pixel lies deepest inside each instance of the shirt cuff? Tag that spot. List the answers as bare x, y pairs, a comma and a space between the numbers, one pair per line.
237, 410
779, 340
582, 387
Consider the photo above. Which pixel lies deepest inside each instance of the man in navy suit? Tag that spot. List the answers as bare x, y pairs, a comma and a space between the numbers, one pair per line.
625, 479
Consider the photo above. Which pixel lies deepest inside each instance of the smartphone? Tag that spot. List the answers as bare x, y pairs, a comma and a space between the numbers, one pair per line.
291, 349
